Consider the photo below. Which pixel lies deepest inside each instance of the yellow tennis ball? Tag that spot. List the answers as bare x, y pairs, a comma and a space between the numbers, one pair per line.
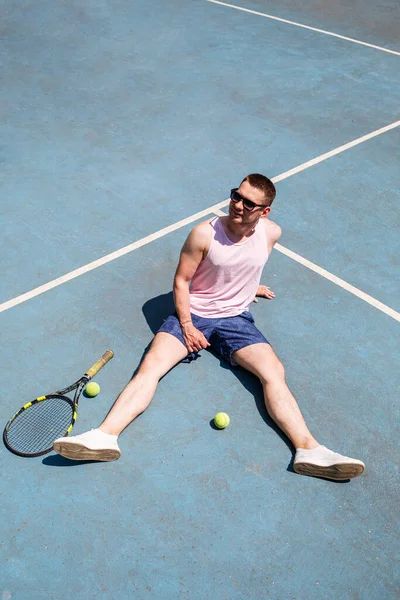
221, 420
92, 389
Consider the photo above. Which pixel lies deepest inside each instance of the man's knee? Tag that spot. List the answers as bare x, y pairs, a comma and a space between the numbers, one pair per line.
151, 365
273, 371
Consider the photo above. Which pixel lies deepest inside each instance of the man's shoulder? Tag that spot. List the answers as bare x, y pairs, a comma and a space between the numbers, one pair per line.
202, 230
272, 229
200, 235
204, 225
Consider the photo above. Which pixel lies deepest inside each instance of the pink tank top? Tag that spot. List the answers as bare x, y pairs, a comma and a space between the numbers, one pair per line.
226, 281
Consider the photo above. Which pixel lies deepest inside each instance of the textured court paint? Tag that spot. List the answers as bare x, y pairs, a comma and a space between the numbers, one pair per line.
333, 278
336, 151
365, 20
117, 120
188, 511
108, 137
340, 282
148, 239
323, 31
349, 222
106, 259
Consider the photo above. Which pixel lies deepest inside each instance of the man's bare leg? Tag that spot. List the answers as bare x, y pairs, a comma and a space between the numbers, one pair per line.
311, 458
261, 360
164, 353
101, 443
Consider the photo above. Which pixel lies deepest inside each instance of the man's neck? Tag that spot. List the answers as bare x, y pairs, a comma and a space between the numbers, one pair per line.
237, 232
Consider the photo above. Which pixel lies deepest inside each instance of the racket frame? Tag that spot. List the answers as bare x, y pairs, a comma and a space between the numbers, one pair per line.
78, 386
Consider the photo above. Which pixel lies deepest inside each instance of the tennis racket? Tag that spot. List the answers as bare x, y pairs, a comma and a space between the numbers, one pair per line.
33, 429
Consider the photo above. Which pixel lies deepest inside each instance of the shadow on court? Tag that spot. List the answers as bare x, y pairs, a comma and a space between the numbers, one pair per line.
55, 460
157, 309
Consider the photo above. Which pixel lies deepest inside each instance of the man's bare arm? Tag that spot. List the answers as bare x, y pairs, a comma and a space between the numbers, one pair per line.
193, 252
273, 232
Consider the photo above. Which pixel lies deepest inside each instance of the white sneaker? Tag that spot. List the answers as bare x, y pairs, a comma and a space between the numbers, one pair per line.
92, 445
322, 462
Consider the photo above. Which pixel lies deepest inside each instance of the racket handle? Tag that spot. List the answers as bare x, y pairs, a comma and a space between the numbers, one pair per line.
99, 364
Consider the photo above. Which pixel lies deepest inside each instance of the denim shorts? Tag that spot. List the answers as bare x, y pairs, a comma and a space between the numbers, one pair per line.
225, 335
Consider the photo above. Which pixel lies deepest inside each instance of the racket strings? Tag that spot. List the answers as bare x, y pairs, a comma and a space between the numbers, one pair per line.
35, 429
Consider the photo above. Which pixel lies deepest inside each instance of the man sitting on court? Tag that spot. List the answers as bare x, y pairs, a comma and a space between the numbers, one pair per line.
217, 279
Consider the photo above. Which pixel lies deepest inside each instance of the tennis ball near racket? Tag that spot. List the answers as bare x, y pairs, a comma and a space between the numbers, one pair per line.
221, 420
92, 389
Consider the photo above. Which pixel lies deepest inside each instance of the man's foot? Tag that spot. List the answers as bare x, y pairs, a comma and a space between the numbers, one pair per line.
322, 462
92, 445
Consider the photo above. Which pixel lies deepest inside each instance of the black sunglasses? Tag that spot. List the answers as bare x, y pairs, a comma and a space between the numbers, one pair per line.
247, 204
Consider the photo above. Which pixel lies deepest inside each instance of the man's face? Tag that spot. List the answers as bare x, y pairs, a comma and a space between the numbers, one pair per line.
239, 214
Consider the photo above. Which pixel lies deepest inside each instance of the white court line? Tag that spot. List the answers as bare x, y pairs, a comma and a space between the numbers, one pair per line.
162, 232
341, 37
340, 282
338, 150
106, 259
329, 154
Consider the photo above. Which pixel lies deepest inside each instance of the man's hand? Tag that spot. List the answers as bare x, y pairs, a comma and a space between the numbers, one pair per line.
194, 339
264, 292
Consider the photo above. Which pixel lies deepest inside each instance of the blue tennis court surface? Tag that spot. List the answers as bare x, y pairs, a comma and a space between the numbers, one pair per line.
122, 126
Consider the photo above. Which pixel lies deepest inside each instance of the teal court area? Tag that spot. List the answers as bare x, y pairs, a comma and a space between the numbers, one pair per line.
123, 124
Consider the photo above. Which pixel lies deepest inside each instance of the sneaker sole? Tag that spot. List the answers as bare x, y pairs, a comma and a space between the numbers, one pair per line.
338, 471
80, 452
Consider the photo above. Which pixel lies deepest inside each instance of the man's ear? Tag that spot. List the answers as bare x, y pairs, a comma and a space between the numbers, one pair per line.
265, 212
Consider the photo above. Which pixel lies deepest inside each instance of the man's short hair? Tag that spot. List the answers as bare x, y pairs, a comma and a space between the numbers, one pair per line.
260, 182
